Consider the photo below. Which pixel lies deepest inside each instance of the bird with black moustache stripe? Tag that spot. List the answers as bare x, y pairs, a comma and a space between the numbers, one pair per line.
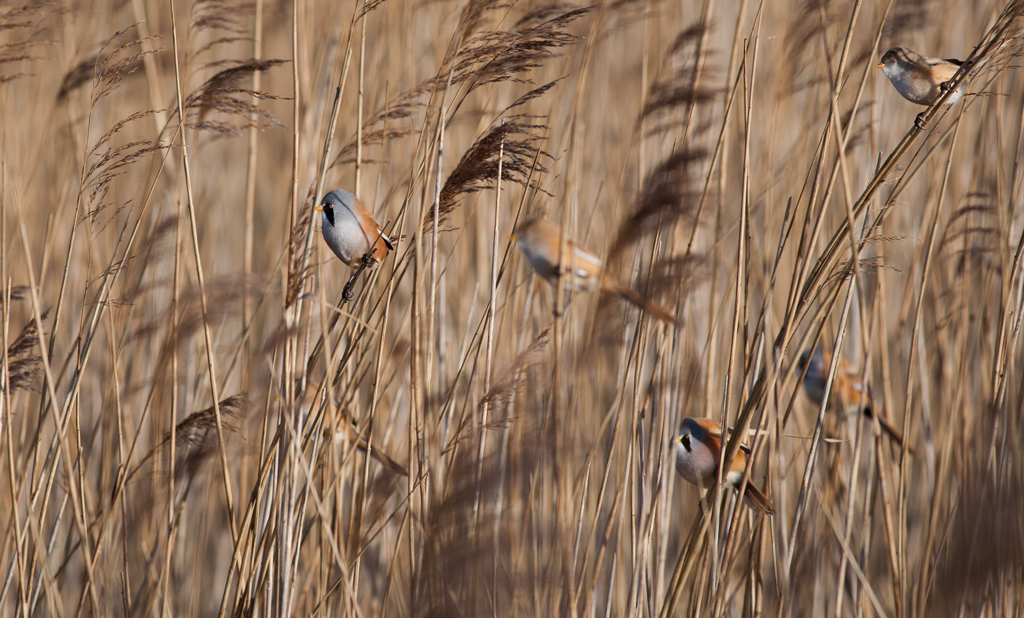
698, 448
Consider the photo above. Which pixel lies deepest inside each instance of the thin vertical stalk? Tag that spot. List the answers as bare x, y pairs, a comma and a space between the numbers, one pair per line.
211, 365
489, 356
250, 194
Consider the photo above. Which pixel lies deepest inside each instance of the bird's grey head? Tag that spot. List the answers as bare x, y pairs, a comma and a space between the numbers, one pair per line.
898, 56
336, 198
814, 358
689, 431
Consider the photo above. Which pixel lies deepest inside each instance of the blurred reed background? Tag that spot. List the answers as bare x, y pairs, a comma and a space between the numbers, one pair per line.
175, 442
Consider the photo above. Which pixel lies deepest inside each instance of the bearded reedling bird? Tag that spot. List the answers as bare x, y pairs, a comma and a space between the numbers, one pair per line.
920, 79
848, 391
352, 233
538, 239
698, 449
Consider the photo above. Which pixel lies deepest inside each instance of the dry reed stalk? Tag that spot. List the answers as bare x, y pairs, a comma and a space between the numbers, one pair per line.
547, 486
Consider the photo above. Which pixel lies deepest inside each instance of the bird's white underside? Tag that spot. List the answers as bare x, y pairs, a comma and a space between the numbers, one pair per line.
346, 237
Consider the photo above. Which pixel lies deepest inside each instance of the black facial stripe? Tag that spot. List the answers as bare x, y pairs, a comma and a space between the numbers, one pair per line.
686, 442
329, 211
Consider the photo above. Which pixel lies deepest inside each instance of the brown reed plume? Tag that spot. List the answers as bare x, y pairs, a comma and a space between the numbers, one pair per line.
298, 269
192, 435
464, 572
194, 430
683, 84
668, 196
376, 128
224, 94
490, 57
672, 188
501, 55
979, 561
517, 139
669, 192
541, 468
23, 23
513, 379
24, 364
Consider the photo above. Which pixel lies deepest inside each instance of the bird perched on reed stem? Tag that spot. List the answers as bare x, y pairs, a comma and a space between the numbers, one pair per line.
538, 239
848, 392
352, 233
698, 448
920, 79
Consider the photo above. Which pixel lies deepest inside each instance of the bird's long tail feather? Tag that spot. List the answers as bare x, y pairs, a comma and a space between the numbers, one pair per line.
756, 500
646, 305
890, 429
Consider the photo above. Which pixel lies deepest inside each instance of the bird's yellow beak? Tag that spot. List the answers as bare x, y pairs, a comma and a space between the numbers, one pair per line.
514, 237
880, 65
320, 208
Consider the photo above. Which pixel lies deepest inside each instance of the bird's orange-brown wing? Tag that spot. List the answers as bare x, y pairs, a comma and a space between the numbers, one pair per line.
375, 234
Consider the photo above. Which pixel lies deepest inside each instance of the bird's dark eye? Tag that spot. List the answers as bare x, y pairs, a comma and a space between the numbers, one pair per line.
686, 442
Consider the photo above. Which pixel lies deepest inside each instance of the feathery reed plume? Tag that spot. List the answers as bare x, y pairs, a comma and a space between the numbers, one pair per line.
976, 225
681, 86
110, 161
503, 55
23, 362
533, 94
517, 138
682, 272
814, 17
667, 193
112, 67
624, 13
193, 433
844, 269
375, 128
803, 36
223, 93
26, 17
17, 292
514, 378
667, 196
220, 18
198, 430
906, 18
193, 429
982, 539
297, 275
77, 76
368, 6
370, 138
471, 16
467, 536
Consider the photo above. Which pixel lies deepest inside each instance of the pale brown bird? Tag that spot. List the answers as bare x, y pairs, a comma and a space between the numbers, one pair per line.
848, 392
920, 79
538, 239
698, 449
